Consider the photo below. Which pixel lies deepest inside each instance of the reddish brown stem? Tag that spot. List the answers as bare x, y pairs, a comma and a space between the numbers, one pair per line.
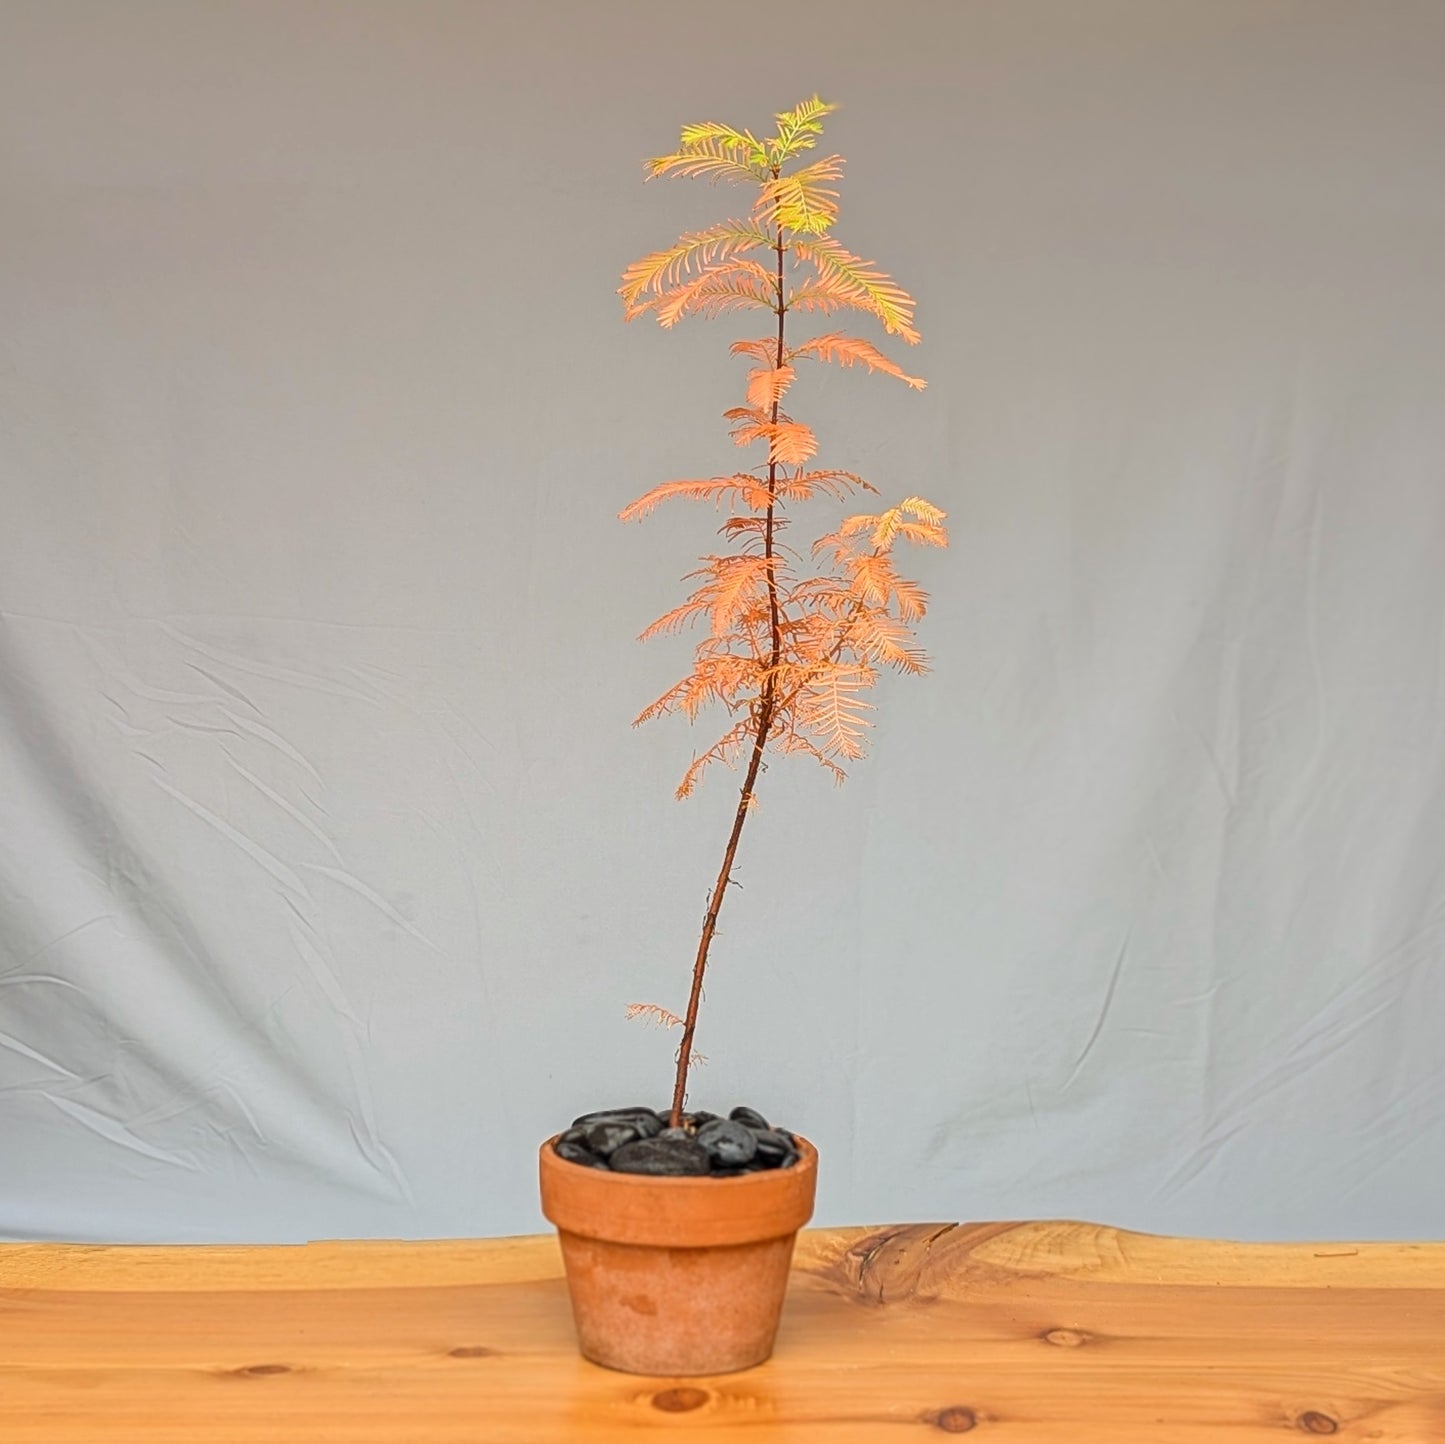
767, 700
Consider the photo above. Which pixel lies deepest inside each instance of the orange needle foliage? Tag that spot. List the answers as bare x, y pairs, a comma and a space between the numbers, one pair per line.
791, 645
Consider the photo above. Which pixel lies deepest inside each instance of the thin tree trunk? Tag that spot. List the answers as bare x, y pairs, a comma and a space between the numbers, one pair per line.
767, 701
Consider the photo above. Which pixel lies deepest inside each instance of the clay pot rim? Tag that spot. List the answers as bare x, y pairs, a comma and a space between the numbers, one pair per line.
807, 1158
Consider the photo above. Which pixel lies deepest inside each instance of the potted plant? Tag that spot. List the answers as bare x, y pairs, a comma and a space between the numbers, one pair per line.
677, 1227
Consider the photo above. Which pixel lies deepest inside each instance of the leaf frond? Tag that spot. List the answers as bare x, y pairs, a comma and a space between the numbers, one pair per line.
838, 548
883, 639
764, 350
922, 534
712, 679
725, 750
794, 741
872, 579
713, 488
712, 298
848, 350
737, 582
816, 295
831, 709
801, 201
661, 270
652, 1013
790, 443
888, 526
743, 145
925, 511
852, 525
909, 598
743, 280
752, 526
798, 129
825, 600
766, 385
716, 152
682, 615
804, 485
859, 283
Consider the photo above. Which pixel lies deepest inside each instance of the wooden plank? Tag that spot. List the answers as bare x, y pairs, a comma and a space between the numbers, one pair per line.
1022, 1333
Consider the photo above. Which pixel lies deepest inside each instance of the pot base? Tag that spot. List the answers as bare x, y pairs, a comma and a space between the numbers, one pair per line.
677, 1311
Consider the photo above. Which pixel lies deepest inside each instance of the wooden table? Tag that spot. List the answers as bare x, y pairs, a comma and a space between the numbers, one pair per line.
1034, 1333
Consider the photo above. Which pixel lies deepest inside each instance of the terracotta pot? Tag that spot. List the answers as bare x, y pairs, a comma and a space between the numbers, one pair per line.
677, 1275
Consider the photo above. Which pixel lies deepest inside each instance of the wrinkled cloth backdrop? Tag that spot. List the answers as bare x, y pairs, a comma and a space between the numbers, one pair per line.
328, 860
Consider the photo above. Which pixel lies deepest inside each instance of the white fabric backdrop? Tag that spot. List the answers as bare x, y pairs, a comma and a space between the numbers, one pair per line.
328, 859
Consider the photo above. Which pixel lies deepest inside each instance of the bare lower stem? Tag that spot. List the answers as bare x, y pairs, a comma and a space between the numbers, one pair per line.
714, 907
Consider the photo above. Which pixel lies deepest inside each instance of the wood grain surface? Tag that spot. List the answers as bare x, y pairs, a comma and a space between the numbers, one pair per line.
1031, 1333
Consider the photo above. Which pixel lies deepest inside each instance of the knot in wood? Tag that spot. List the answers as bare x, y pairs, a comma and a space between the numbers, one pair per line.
955, 1419
470, 1351
679, 1401
260, 1369
1313, 1422
1067, 1338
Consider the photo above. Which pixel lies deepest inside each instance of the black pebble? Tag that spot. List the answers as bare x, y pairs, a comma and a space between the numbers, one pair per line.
575, 1152
606, 1137
728, 1144
749, 1118
665, 1157
640, 1118
775, 1150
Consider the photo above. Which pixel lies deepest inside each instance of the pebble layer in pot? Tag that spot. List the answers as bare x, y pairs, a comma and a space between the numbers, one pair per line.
677, 1226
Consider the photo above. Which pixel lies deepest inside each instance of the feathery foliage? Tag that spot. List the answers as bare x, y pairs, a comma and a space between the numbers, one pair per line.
790, 649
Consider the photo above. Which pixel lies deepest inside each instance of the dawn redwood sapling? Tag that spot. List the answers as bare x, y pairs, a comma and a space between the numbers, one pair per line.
792, 643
